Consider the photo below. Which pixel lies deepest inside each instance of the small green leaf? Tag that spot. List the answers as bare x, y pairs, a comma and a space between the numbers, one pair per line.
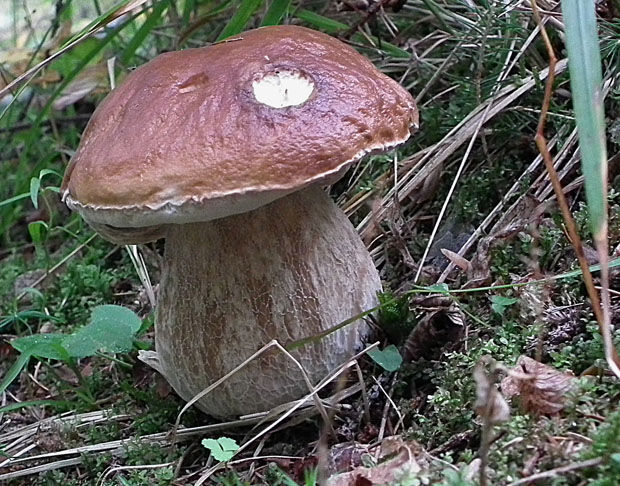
48, 346
14, 371
615, 457
389, 358
222, 449
441, 288
45, 172
31, 403
112, 329
37, 231
499, 303
35, 185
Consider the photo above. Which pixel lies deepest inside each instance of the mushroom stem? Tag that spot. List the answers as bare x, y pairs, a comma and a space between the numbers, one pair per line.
286, 271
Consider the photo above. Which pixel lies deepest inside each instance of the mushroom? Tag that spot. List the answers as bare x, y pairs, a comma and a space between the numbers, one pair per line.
223, 150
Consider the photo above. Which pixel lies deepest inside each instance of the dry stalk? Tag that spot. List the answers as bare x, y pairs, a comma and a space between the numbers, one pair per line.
262, 350
602, 313
205, 477
553, 473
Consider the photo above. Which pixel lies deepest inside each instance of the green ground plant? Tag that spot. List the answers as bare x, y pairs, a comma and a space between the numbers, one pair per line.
458, 58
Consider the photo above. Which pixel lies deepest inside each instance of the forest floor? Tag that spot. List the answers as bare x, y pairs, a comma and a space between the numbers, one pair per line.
504, 380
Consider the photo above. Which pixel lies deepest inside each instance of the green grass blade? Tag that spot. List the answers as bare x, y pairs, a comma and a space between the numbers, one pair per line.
37, 403
240, 19
584, 63
14, 371
13, 199
188, 8
328, 25
333, 26
151, 22
105, 18
276, 12
386, 47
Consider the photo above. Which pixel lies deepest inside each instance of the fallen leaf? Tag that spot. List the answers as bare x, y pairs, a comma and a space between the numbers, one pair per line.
345, 456
388, 358
400, 469
458, 260
524, 212
540, 389
443, 324
67, 375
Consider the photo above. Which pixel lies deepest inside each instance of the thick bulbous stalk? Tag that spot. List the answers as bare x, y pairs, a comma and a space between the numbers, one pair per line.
286, 271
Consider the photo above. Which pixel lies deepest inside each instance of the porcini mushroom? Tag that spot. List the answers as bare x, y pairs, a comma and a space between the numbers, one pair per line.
223, 150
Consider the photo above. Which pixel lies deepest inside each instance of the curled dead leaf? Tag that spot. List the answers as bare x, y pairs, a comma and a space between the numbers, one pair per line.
458, 260
400, 468
540, 389
346, 456
442, 324
524, 212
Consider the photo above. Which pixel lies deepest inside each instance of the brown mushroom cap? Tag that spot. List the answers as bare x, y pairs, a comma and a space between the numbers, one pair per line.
184, 138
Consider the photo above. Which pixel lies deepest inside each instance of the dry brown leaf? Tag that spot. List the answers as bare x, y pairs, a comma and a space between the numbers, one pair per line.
524, 212
396, 470
345, 456
66, 374
15, 61
458, 260
428, 188
18, 56
540, 389
442, 325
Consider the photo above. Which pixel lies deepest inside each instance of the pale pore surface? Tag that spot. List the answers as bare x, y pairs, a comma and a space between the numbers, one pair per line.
285, 271
283, 88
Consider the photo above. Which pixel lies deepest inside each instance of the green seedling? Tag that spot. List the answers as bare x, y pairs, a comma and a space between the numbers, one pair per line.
111, 329
222, 449
388, 358
499, 303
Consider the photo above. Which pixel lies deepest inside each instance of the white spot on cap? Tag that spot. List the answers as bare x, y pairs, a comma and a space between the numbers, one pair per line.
283, 88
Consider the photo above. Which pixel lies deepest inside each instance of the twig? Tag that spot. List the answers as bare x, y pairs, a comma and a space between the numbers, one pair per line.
113, 470
360, 378
558, 470
297, 405
602, 315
